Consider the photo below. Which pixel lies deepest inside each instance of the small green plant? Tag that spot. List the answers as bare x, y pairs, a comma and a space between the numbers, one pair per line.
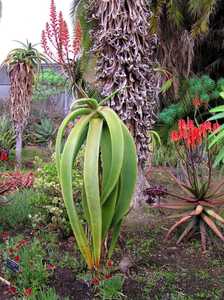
50, 294
109, 175
20, 206
111, 288
43, 132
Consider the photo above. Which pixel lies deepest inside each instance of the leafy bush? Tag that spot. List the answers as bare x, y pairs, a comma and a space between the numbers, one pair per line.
19, 208
47, 183
49, 83
7, 134
112, 288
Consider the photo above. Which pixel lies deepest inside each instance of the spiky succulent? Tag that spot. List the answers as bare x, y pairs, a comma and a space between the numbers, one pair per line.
109, 175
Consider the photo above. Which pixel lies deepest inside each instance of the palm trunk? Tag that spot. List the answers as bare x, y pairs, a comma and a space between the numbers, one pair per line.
19, 148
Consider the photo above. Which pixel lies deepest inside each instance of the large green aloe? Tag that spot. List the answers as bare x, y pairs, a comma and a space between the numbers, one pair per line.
109, 175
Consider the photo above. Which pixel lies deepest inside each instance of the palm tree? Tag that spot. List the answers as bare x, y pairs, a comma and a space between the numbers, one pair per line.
23, 64
126, 56
180, 25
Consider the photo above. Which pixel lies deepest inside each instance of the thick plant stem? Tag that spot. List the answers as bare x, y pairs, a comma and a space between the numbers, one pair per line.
19, 148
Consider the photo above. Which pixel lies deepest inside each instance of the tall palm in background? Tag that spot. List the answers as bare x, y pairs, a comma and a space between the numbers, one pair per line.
126, 56
23, 64
181, 26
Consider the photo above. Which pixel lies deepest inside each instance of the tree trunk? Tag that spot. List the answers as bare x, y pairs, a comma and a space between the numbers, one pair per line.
19, 148
142, 184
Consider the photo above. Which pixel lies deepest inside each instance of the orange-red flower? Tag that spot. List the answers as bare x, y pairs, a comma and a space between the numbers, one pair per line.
196, 102
27, 292
191, 134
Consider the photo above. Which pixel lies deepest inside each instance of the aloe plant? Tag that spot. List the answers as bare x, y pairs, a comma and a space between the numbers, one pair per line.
109, 175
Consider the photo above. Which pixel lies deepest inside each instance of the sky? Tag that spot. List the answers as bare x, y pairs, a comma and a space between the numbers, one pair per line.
25, 19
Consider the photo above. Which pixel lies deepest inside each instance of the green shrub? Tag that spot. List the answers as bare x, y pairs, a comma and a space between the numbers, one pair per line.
47, 183
7, 134
19, 209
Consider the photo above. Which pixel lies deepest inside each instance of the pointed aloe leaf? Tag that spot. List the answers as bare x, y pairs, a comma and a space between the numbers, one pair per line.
178, 223
58, 147
213, 214
115, 236
187, 230
108, 210
85, 205
219, 158
91, 183
213, 227
71, 149
217, 116
117, 149
203, 235
128, 177
91, 102
217, 109
217, 138
106, 154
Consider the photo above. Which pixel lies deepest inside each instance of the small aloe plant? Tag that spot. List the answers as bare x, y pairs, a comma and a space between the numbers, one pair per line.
109, 175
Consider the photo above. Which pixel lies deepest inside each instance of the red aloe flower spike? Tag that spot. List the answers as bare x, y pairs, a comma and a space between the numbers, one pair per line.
53, 16
77, 39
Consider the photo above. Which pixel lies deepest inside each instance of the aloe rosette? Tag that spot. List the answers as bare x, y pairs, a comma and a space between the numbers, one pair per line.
109, 175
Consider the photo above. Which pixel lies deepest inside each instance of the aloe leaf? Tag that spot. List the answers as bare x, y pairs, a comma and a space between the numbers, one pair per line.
212, 225
71, 149
106, 154
58, 147
217, 116
115, 236
108, 210
91, 102
128, 177
117, 149
188, 228
91, 183
217, 138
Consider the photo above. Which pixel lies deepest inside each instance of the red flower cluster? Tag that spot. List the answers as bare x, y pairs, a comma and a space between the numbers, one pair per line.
4, 236
4, 155
56, 36
191, 134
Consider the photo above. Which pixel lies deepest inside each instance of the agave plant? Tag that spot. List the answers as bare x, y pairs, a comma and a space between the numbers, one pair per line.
44, 131
200, 197
109, 175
